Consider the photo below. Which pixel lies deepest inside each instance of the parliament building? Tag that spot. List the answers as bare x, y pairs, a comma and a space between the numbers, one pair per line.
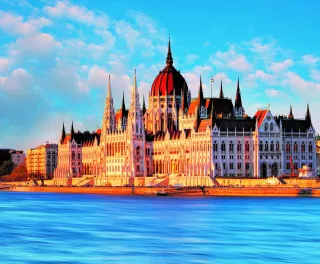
180, 140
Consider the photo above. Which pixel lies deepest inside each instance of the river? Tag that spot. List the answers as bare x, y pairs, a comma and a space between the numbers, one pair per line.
75, 228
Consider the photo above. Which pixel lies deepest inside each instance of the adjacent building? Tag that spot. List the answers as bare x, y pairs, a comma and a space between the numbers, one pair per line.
177, 136
42, 161
17, 157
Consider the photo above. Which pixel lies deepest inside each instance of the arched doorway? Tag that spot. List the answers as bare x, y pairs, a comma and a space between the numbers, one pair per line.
274, 169
263, 170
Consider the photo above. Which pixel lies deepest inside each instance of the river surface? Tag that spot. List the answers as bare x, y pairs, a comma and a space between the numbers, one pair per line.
75, 228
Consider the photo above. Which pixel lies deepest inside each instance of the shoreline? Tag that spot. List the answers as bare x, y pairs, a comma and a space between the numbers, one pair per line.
149, 191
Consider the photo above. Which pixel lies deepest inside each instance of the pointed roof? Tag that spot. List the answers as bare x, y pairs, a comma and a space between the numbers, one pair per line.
308, 117
109, 88
63, 133
144, 109
200, 94
72, 131
184, 101
135, 89
221, 96
290, 113
238, 101
123, 106
169, 59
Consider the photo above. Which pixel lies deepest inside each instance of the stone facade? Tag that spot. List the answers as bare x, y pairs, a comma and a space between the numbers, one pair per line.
182, 137
42, 161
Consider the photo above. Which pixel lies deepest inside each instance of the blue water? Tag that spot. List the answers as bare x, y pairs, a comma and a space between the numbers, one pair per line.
68, 228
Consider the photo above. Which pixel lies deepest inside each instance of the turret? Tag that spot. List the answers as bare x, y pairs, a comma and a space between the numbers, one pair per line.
308, 117
290, 113
238, 109
221, 96
169, 59
144, 109
200, 94
72, 132
108, 122
63, 134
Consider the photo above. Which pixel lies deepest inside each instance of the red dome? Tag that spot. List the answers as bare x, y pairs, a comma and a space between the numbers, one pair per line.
168, 79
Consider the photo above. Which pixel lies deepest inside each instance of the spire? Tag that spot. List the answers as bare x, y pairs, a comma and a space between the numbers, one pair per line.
308, 117
109, 88
63, 134
200, 94
290, 113
221, 96
72, 131
184, 101
143, 106
123, 106
238, 101
169, 59
135, 89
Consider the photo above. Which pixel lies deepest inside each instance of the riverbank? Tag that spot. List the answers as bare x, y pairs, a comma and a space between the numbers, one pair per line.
225, 191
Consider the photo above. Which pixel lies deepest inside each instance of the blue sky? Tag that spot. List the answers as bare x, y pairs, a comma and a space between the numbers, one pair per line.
55, 57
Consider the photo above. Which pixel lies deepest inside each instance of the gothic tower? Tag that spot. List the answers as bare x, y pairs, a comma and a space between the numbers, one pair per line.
238, 108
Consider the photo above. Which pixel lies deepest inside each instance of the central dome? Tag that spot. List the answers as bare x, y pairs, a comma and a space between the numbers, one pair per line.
169, 81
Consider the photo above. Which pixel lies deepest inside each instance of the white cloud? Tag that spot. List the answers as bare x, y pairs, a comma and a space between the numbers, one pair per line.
280, 66
273, 92
34, 46
126, 31
232, 60
261, 75
4, 64
296, 82
16, 25
18, 82
315, 75
202, 69
310, 59
77, 13
191, 58
98, 77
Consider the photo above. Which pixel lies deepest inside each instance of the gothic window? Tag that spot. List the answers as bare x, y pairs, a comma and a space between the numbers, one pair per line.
247, 148
277, 146
247, 166
138, 168
231, 166
295, 147
261, 146
303, 147
203, 111
162, 122
138, 150
169, 120
310, 147
215, 146
272, 146
73, 155
295, 165
239, 147
271, 127
231, 146
223, 146
288, 147
224, 166
265, 127
310, 165
266, 146
239, 166
137, 128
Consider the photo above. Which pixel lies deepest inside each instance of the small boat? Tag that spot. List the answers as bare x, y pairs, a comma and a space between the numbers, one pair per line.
162, 193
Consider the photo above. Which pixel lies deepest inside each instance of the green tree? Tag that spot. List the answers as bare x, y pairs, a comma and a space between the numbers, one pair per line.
6, 168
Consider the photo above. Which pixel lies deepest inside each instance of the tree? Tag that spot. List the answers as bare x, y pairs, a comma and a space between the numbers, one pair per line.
19, 173
6, 167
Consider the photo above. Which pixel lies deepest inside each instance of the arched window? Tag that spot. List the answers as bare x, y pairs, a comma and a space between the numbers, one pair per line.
303, 147
295, 147
162, 122
170, 121
288, 147
215, 146
310, 147
277, 146
223, 146
265, 127
231, 146
247, 147
271, 127
138, 150
239, 147
261, 146
266, 146
272, 146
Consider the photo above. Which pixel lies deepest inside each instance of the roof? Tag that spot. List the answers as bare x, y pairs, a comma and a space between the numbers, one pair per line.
223, 106
293, 125
120, 114
238, 124
260, 115
84, 138
204, 124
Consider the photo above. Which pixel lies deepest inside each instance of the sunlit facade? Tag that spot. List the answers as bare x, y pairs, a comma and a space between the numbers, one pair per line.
177, 136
